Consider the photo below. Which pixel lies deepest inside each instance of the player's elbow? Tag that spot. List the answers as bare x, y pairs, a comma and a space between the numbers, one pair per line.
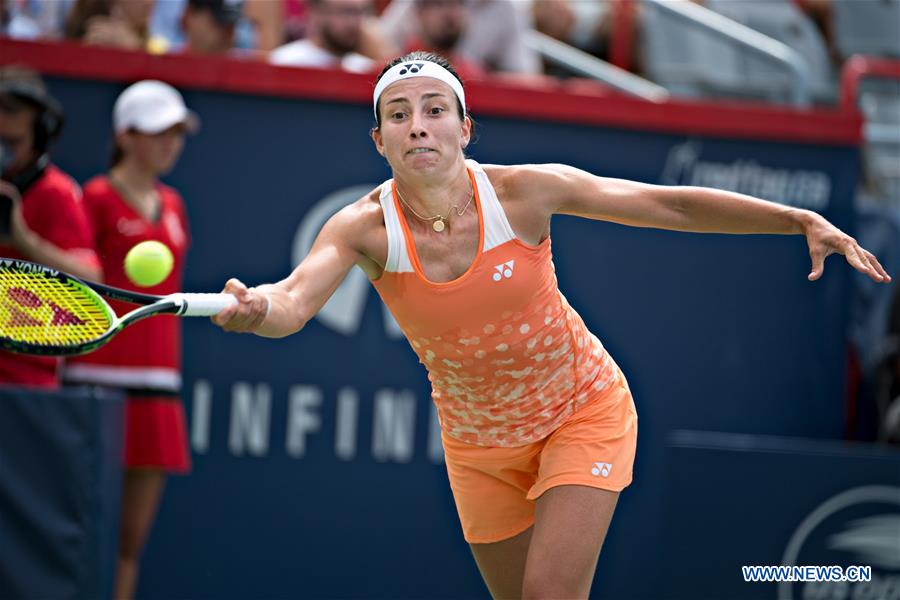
672, 207
302, 311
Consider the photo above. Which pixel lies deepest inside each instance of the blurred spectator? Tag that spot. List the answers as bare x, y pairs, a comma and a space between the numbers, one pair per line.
494, 38
167, 24
41, 217
296, 19
441, 25
267, 20
555, 18
335, 38
18, 21
209, 25
127, 206
33, 19
116, 23
585, 25
372, 43
822, 14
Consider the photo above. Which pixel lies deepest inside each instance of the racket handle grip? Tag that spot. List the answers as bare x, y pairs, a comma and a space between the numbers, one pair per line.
203, 305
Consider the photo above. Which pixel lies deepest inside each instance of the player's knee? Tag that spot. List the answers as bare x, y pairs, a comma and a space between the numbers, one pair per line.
548, 582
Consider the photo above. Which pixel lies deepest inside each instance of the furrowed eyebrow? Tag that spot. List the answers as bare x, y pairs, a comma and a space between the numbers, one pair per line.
424, 97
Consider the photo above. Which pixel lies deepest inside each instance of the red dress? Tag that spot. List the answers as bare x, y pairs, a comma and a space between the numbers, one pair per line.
144, 359
52, 208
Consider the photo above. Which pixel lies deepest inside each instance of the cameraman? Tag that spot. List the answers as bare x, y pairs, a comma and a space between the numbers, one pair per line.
41, 217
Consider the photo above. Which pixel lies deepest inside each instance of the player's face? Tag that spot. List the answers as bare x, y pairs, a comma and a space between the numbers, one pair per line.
421, 129
157, 153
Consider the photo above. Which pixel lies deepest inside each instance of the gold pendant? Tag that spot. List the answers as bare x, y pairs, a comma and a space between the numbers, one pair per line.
438, 225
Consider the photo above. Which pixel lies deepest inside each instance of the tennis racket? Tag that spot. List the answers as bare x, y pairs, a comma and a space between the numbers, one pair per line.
48, 312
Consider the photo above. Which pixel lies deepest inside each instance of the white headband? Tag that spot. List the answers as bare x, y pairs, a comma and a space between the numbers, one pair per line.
424, 68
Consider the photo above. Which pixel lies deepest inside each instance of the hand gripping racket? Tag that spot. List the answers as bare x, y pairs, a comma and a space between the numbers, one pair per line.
45, 311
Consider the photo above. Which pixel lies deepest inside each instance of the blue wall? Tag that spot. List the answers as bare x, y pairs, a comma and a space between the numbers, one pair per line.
779, 501
291, 496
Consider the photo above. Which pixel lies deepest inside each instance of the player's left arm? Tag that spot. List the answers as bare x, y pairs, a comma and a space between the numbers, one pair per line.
567, 190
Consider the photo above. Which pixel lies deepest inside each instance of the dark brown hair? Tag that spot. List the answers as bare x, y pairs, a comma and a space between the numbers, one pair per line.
116, 154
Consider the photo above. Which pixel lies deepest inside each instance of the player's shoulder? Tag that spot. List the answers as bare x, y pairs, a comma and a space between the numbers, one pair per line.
360, 217
360, 224
523, 181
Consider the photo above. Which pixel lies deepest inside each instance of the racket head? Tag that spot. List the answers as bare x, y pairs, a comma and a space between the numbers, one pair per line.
47, 312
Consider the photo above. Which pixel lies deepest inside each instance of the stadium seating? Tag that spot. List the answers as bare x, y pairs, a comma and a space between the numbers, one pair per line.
690, 60
867, 27
879, 101
784, 21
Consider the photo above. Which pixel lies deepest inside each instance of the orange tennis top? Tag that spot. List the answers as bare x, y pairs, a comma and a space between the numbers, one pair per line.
507, 357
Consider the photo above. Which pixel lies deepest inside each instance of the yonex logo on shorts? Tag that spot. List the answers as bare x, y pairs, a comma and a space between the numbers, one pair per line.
504, 270
411, 68
601, 468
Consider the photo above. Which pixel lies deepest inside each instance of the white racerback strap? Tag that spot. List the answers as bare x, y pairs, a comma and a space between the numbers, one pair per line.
397, 256
496, 226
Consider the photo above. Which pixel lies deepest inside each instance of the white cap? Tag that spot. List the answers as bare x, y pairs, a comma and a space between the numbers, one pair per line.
152, 107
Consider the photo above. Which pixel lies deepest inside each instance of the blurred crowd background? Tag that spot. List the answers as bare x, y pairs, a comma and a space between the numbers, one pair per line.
488, 37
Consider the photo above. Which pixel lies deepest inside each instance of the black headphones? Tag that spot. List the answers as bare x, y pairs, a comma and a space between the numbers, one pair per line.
48, 123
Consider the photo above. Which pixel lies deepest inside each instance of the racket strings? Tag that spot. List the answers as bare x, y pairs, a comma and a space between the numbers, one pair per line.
37, 308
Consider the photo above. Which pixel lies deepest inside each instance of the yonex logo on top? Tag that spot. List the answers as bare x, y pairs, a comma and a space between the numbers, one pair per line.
504, 270
601, 468
411, 68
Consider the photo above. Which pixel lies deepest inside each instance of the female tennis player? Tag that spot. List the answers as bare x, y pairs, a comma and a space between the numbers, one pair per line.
538, 423
127, 206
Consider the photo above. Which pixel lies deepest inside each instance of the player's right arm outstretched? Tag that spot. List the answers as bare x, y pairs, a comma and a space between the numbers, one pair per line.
283, 308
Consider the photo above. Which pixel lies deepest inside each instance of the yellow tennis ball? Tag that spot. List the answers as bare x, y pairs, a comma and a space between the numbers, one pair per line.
148, 263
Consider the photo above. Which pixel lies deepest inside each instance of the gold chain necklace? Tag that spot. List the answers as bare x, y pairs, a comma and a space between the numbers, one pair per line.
439, 223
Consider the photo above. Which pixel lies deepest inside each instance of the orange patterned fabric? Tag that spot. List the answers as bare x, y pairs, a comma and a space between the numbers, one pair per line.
594, 448
508, 359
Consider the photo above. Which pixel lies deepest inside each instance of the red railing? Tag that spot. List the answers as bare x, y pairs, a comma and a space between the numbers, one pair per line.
621, 43
859, 67
545, 100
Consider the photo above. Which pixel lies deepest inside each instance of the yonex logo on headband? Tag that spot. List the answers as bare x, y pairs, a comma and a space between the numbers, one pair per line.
411, 68
418, 69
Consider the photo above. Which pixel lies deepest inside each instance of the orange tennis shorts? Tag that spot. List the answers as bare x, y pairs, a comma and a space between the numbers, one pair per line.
495, 488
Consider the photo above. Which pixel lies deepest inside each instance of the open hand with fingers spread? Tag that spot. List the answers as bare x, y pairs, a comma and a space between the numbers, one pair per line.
248, 314
824, 238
